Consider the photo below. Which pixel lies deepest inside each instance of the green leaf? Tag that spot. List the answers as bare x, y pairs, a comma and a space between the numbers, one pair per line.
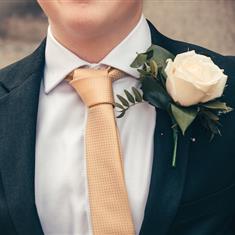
129, 96
153, 67
123, 100
162, 79
143, 72
217, 105
155, 94
213, 127
137, 94
160, 55
183, 116
139, 60
210, 115
119, 106
121, 114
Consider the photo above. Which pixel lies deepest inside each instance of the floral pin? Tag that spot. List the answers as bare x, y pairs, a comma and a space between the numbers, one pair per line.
187, 86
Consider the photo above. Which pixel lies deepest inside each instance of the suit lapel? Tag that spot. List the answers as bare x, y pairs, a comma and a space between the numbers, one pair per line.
167, 183
18, 119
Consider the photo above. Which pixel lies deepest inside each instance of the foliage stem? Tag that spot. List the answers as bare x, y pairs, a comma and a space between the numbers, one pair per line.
175, 136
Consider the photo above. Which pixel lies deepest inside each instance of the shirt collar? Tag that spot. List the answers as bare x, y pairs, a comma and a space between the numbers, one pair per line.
59, 61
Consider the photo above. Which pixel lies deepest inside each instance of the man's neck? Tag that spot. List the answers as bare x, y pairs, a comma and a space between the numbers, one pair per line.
94, 49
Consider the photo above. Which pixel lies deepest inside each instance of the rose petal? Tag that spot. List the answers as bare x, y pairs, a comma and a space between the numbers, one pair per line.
183, 92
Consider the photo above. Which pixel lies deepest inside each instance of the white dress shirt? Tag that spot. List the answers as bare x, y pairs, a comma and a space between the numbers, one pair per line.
60, 168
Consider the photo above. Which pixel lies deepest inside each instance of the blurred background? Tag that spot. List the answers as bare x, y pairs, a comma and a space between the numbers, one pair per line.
209, 23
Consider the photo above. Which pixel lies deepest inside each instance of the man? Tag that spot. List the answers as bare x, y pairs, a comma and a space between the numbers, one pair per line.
45, 184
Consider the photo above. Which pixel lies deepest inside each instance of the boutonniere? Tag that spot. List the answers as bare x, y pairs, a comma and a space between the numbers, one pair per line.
187, 86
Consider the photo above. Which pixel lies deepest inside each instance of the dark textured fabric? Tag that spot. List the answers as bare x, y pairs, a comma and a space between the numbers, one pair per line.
19, 92
195, 198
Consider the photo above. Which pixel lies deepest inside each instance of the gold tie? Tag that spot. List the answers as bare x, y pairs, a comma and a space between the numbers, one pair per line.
110, 210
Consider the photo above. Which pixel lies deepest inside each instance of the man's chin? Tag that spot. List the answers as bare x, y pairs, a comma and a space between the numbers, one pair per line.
78, 2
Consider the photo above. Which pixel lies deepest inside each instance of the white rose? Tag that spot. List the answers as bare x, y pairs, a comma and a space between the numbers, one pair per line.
193, 78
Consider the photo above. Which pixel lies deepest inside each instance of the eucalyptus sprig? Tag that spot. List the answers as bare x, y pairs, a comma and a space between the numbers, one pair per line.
128, 101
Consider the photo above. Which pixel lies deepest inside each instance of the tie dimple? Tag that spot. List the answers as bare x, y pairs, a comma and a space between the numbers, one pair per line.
93, 86
110, 210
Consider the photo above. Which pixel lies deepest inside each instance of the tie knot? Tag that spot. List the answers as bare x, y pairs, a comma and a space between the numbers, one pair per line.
94, 85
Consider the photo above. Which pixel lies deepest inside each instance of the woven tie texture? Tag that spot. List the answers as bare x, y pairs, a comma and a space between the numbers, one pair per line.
108, 198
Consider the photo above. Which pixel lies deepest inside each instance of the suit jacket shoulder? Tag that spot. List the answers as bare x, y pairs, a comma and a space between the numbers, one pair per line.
232, 60
15, 74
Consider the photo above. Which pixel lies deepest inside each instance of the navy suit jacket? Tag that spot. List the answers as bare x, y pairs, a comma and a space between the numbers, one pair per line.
195, 198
